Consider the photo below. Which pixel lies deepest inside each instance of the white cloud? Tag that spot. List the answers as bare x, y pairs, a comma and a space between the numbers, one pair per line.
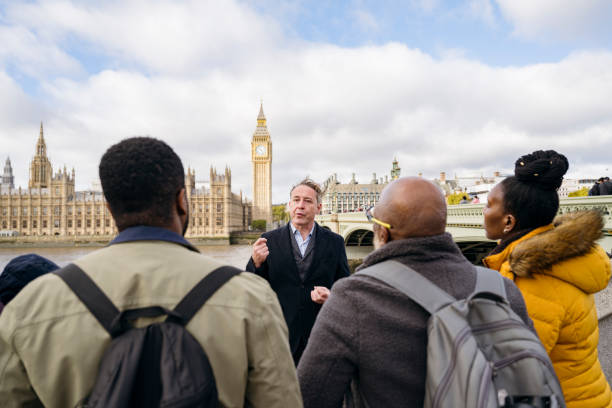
330, 109
35, 56
366, 21
177, 37
554, 19
482, 10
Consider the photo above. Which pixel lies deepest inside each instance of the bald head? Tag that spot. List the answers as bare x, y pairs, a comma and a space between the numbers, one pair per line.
414, 207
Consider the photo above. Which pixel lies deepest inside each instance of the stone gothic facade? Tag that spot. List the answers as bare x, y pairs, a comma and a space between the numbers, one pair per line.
353, 196
50, 206
216, 211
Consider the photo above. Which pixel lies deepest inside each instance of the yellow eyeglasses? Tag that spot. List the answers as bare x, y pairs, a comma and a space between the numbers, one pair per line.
368, 213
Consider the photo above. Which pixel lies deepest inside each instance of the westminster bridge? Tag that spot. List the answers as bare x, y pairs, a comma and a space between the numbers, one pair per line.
465, 224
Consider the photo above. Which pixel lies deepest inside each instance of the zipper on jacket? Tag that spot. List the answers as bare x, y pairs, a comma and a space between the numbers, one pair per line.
459, 340
520, 356
485, 384
501, 324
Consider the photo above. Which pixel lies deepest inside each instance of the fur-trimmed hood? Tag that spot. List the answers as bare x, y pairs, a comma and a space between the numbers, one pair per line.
573, 239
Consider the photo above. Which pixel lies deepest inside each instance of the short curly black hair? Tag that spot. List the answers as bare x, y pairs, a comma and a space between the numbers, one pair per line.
141, 177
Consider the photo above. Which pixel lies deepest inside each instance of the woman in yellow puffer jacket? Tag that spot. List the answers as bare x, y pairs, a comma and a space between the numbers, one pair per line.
557, 266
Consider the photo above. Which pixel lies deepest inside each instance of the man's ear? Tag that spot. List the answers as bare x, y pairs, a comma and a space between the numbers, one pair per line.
181, 202
383, 234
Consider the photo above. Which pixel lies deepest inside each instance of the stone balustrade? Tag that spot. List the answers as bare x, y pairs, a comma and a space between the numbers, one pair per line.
465, 221
470, 215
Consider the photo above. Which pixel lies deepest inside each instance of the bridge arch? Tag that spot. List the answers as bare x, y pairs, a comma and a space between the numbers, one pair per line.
359, 237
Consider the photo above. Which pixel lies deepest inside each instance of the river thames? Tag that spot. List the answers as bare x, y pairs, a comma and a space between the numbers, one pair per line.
236, 255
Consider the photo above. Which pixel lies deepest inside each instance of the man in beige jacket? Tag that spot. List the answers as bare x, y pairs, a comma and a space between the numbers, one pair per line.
51, 345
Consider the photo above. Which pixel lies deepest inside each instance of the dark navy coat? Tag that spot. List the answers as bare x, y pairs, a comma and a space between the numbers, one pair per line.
280, 270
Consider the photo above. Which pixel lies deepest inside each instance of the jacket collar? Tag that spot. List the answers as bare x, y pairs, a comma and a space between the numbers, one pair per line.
293, 229
418, 249
148, 233
495, 261
566, 250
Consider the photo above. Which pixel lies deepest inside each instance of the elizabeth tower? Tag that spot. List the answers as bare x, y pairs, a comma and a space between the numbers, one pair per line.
261, 156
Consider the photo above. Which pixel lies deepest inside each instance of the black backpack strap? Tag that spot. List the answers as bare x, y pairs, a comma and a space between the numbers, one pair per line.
90, 294
201, 292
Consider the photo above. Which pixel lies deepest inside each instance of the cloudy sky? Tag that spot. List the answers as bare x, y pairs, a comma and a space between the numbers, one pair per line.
458, 86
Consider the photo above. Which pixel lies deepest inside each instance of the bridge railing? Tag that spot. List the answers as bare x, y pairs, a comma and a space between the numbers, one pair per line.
470, 215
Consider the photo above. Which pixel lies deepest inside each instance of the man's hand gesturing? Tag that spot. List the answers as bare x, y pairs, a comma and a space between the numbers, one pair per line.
260, 252
319, 294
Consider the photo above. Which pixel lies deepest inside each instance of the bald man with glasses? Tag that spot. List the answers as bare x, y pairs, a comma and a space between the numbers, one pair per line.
370, 331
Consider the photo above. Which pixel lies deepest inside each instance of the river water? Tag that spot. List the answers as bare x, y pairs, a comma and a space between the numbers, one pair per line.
236, 255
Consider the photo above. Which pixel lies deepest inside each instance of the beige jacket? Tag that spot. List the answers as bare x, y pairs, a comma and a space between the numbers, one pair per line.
51, 346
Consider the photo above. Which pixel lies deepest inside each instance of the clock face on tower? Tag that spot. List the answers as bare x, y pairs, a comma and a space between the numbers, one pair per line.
260, 150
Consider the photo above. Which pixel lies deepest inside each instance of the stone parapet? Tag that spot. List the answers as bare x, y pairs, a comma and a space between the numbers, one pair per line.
470, 215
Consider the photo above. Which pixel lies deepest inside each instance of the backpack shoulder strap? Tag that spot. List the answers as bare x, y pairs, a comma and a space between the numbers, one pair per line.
405, 279
90, 294
202, 291
489, 281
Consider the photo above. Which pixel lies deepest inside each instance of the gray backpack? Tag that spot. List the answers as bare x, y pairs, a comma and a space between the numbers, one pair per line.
480, 354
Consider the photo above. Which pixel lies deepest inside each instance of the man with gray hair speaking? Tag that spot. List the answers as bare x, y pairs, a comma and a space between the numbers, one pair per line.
301, 261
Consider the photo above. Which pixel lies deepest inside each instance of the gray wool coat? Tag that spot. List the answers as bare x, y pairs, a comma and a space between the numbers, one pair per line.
372, 331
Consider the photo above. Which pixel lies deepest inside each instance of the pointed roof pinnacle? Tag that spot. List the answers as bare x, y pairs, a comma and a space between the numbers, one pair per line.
261, 115
41, 137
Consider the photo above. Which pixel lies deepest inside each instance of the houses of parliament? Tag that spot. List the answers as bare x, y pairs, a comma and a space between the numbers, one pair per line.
50, 206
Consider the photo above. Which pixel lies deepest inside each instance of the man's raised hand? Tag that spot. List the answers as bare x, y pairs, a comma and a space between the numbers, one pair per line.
260, 252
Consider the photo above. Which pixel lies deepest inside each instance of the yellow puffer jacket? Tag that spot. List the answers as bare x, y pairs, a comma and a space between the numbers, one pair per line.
558, 268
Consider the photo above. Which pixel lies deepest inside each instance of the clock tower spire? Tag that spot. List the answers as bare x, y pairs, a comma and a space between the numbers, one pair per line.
261, 157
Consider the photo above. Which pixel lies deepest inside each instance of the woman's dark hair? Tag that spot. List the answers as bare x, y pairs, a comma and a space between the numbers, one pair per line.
531, 194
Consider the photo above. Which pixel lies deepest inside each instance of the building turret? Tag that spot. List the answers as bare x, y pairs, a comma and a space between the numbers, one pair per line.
40, 167
7, 177
189, 182
261, 118
395, 169
228, 175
